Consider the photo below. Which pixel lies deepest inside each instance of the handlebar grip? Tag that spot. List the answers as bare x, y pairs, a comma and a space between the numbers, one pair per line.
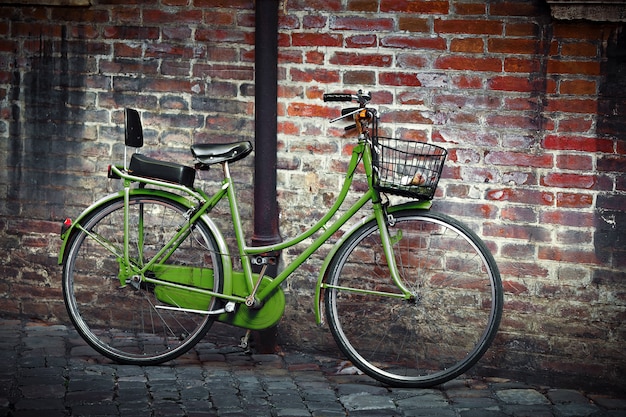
337, 97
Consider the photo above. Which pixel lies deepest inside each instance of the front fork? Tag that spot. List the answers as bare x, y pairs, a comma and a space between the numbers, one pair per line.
386, 220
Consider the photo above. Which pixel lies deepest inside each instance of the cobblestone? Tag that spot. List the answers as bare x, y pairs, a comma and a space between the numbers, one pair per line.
48, 371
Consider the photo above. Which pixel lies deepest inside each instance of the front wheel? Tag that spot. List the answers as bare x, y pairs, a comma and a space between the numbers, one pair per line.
451, 318
120, 313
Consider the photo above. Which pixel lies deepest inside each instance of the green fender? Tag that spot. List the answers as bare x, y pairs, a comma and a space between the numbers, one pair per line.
68, 234
414, 205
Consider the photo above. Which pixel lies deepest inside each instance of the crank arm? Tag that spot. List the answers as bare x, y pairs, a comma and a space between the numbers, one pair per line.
228, 308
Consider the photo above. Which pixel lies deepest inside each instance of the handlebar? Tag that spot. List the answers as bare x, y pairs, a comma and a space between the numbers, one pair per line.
360, 97
363, 115
339, 97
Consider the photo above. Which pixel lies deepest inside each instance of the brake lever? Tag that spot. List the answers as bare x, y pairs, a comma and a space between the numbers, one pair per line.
346, 115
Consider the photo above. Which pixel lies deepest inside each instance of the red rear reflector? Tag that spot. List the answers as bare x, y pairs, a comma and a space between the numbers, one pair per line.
67, 223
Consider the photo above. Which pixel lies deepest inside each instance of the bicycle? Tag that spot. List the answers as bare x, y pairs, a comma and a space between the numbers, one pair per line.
412, 297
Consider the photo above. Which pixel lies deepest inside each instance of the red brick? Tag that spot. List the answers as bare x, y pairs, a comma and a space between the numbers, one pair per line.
130, 32
611, 201
288, 56
513, 46
405, 116
82, 32
228, 72
578, 30
467, 81
567, 218
521, 29
574, 200
478, 8
578, 87
508, 83
473, 102
315, 57
524, 232
223, 35
315, 5
237, 4
359, 78
316, 39
181, 33
466, 27
575, 124
314, 22
361, 41
79, 14
456, 190
399, 79
588, 106
611, 163
580, 49
34, 30
519, 159
363, 5
574, 67
361, 59
514, 8
556, 179
413, 42
417, 7
410, 97
162, 16
319, 75
519, 195
170, 51
414, 24
311, 110
471, 210
362, 24
519, 214
520, 270
577, 143
568, 255
470, 45
411, 60
219, 17
463, 63
512, 287
128, 15
513, 121
574, 162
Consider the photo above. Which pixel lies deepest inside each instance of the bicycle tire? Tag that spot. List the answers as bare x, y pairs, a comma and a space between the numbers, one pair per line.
123, 323
449, 324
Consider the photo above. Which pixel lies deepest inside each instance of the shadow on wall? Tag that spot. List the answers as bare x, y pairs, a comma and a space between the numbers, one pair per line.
610, 221
42, 95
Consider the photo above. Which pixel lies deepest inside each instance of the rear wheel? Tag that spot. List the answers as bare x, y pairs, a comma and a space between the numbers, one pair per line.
121, 315
448, 324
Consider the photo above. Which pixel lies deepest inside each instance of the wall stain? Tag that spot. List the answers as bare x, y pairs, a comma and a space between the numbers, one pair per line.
40, 125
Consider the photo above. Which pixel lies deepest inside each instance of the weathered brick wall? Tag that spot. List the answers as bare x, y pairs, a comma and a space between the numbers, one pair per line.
531, 109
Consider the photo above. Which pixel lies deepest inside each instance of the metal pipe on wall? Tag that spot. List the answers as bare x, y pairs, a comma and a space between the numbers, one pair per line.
266, 125
266, 230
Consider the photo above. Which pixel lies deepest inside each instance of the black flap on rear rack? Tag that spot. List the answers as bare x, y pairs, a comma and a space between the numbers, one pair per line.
144, 166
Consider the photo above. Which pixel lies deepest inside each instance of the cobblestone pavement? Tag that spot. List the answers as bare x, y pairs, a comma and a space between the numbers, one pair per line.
48, 371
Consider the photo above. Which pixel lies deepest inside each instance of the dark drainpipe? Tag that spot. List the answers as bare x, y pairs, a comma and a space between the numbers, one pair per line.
266, 112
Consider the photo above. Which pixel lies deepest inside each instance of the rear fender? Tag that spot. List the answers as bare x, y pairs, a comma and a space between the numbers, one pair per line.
72, 231
414, 205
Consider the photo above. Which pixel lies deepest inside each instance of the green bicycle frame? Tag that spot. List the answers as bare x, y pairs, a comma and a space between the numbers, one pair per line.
361, 152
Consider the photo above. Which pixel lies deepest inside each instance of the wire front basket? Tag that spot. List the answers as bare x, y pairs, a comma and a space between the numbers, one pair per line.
407, 168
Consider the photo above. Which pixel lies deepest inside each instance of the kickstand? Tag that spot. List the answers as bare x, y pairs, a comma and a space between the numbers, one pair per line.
244, 343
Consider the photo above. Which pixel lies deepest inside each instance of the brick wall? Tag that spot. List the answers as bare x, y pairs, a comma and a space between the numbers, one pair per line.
531, 109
